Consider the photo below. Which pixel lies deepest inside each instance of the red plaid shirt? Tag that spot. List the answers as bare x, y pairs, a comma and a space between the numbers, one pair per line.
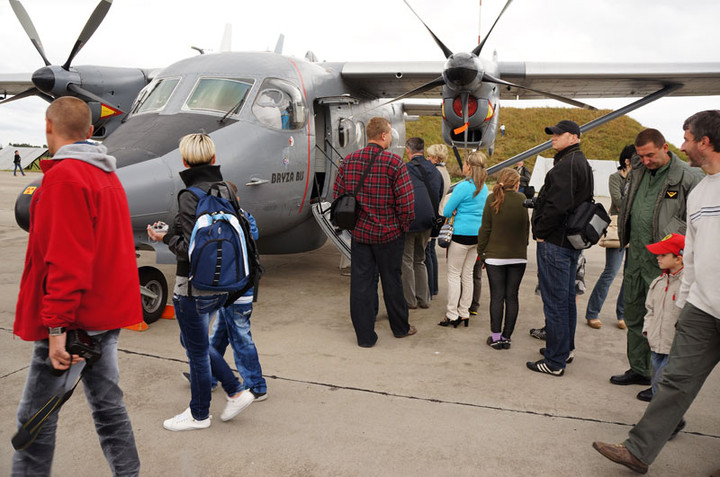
386, 198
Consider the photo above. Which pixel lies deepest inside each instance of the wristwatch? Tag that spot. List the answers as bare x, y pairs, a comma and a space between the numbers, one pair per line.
56, 331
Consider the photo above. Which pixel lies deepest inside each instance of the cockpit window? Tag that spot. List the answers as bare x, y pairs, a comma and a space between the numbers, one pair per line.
280, 105
218, 94
155, 96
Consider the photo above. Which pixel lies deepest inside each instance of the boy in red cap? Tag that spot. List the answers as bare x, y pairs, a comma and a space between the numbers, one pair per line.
662, 314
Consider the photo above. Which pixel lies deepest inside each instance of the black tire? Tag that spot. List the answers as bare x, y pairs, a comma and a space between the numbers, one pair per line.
154, 281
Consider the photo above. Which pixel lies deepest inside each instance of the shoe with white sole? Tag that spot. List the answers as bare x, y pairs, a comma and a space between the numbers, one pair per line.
542, 367
186, 422
259, 396
236, 405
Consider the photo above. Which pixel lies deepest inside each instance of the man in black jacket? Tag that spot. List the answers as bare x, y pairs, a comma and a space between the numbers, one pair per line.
568, 184
427, 199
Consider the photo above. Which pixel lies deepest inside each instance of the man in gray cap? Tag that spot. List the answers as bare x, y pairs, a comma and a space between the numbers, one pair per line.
568, 184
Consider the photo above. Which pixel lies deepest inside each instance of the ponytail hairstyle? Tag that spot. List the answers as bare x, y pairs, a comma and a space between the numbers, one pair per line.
478, 174
507, 179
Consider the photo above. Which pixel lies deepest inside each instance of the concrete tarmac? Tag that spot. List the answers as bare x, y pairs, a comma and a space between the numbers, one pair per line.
441, 402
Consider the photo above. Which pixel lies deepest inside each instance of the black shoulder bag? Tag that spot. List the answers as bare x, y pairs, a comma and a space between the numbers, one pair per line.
588, 222
343, 211
438, 221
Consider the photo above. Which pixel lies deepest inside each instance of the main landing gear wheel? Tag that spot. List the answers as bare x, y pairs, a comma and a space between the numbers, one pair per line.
153, 293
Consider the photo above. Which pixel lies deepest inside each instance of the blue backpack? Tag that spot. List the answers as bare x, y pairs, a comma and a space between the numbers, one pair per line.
222, 251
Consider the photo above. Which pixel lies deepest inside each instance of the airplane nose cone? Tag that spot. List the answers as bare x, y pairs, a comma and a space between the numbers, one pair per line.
461, 69
44, 79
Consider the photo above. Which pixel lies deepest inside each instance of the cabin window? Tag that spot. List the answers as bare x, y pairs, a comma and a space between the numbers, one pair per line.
155, 96
219, 95
280, 105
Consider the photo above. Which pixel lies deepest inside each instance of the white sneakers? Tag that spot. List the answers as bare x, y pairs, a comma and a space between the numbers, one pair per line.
237, 405
186, 422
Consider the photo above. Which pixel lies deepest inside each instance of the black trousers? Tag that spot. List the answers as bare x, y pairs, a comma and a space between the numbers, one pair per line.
367, 260
504, 288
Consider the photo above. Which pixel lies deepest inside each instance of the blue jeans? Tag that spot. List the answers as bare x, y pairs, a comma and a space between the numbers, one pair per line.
659, 362
232, 326
193, 317
613, 262
557, 267
104, 397
18, 167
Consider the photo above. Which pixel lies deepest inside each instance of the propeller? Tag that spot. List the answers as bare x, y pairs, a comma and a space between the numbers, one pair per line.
464, 71
52, 81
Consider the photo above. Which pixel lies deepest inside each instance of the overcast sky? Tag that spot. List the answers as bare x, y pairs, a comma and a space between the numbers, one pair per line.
157, 33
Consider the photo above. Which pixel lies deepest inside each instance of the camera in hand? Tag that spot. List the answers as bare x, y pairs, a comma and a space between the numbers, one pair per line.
80, 343
530, 202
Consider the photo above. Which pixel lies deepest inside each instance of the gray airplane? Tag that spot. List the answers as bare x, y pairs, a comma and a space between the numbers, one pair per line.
282, 125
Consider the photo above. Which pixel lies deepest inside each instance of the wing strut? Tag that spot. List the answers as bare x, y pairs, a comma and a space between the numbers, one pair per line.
588, 126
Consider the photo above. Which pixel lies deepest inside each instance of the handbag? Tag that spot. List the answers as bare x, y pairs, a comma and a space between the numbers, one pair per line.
446, 232
343, 210
438, 220
611, 239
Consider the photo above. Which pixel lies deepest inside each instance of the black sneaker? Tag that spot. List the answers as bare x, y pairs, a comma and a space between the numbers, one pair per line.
645, 395
568, 360
679, 428
538, 333
259, 396
186, 375
542, 367
499, 344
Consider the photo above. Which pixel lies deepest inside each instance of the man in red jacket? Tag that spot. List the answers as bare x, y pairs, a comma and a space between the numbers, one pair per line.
80, 273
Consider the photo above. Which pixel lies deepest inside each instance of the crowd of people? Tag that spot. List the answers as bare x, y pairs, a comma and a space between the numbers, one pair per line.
667, 219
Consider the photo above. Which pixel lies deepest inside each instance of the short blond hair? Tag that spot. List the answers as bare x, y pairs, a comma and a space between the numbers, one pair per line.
197, 149
438, 150
71, 118
376, 126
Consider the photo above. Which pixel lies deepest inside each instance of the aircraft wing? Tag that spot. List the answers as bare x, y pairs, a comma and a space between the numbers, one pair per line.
575, 80
14, 83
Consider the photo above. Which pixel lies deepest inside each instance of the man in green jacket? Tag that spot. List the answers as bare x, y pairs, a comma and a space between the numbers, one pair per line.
654, 207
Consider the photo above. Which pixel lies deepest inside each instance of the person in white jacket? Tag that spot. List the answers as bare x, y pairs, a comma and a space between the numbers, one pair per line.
662, 313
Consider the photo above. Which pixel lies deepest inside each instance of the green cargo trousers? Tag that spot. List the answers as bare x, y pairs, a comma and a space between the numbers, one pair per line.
635, 290
694, 354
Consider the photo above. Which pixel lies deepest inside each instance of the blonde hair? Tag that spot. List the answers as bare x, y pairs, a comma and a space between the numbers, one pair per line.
197, 149
438, 150
71, 117
478, 174
507, 179
376, 126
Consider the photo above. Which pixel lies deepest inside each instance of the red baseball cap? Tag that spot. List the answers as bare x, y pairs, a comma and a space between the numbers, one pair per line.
673, 243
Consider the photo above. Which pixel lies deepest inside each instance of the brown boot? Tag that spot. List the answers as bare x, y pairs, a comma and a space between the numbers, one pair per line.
618, 453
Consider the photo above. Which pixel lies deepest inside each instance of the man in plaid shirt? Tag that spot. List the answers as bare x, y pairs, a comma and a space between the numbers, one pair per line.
385, 205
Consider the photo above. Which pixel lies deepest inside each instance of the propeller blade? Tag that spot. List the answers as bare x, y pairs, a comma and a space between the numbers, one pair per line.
90, 96
27, 93
92, 24
442, 46
439, 81
476, 51
491, 79
29, 28
457, 156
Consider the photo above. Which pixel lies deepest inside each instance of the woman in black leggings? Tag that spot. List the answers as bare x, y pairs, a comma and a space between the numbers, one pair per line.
502, 245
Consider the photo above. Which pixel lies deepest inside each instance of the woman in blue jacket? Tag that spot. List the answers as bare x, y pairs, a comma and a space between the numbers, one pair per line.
466, 203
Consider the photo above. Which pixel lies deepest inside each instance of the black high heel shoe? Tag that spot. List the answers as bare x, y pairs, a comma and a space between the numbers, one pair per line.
465, 320
447, 322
